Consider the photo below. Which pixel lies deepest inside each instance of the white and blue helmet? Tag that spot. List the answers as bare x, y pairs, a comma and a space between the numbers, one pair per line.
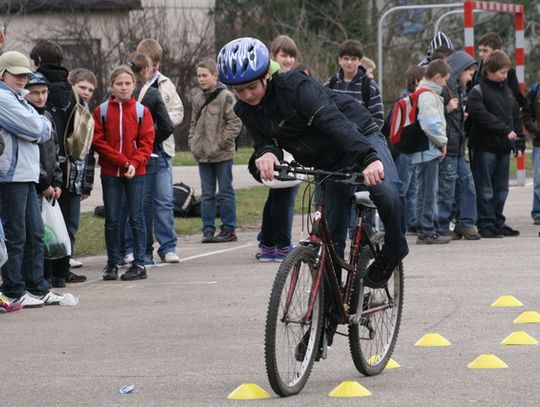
242, 60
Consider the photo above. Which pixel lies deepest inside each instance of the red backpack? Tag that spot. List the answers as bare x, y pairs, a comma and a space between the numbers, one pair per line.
406, 135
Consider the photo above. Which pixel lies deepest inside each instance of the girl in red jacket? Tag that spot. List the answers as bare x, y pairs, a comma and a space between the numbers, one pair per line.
123, 137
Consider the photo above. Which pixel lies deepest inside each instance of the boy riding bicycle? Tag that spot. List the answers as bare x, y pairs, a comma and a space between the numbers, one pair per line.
294, 112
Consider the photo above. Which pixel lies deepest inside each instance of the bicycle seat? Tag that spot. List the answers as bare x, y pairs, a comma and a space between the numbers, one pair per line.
362, 198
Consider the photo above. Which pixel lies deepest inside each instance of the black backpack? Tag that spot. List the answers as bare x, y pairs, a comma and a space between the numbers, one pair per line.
184, 200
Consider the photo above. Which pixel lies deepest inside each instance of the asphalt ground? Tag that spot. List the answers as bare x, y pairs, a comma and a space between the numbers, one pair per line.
192, 332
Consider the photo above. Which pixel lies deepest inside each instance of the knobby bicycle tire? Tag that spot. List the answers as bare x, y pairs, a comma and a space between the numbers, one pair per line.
373, 340
291, 345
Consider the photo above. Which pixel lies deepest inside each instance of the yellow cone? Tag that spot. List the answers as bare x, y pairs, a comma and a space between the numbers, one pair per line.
350, 389
432, 339
528, 317
487, 361
391, 364
507, 301
248, 391
519, 338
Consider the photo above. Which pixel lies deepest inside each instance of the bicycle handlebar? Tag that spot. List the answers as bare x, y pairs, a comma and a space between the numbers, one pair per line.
283, 170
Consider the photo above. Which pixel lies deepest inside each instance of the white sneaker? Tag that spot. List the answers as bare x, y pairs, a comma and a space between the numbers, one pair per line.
171, 257
75, 264
52, 298
29, 301
128, 258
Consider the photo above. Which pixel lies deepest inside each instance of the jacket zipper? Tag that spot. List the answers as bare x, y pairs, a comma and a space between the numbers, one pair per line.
121, 134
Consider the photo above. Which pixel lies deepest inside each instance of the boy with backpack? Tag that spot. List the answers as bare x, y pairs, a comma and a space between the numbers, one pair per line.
531, 120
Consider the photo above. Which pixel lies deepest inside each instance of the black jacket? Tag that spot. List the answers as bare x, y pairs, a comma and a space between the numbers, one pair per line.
50, 173
300, 116
511, 79
494, 113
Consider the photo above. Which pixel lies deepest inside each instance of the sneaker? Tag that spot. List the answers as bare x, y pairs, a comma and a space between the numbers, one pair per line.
128, 258
380, 271
468, 233
6, 305
225, 236
171, 257
74, 264
74, 278
51, 298
58, 282
208, 237
267, 254
451, 234
110, 272
134, 273
27, 300
432, 238
490, 232
281, 253
508, 231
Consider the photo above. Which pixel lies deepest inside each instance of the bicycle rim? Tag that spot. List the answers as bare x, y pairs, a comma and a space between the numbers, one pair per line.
373, 340
291, 344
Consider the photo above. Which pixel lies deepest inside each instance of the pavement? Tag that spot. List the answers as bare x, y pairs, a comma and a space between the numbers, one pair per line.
193, 332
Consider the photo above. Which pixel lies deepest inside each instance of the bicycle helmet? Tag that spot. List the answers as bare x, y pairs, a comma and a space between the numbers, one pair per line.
242, 60
37, 78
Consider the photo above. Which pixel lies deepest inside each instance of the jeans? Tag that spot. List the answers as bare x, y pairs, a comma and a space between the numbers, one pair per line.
457, 194
278, 217
158, 206
113, 189
407, 174
427, 177
490, 172
23, 227
535, 213
221, 173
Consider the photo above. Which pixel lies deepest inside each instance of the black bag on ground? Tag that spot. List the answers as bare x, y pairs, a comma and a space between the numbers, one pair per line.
99, 211
184, 200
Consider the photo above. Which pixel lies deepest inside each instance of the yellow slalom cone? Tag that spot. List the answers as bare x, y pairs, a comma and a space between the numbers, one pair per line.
350, 389
519, 338
507, 301
248, 391
432, 339
487, 361
528, 317
391, 364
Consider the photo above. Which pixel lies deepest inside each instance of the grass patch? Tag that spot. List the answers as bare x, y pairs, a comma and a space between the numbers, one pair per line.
241, 156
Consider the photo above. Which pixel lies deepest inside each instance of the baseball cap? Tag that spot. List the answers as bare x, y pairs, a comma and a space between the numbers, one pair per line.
36, 78
15, 63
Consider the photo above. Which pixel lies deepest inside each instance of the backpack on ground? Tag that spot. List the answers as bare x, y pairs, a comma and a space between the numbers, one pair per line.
184, 200
78, 141
406, 135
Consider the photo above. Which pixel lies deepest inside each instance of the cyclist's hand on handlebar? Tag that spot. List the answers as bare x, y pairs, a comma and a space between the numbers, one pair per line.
265, 164
373, 173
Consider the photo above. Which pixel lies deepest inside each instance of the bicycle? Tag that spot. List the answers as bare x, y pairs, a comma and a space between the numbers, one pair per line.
294, 334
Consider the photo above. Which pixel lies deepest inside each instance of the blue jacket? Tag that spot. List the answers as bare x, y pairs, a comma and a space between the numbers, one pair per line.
22, 129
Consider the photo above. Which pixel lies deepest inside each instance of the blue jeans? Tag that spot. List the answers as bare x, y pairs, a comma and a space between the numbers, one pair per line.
278, 216
407, 174
427, 177
490, 172
23, 227
221, 173
158, 206
386, 196
535, 213
113, 189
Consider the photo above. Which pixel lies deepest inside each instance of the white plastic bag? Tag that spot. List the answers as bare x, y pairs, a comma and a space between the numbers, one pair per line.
3, 249
56, 237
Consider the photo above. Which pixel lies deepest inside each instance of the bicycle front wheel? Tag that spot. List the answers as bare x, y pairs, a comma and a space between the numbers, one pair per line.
373, 340
292, 336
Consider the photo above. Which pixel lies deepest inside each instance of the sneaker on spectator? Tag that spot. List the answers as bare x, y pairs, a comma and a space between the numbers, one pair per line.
225, 236
74, 278
508, 231
490, 232
27, 300
128, 258
432, 238
208, 237
281, 253
468, 233
50, 298
267, 254
110, 272
134, 273
171, 257
6, 305
74, 264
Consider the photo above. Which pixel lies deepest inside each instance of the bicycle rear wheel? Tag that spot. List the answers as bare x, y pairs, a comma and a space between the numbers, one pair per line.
373, 340
291, 343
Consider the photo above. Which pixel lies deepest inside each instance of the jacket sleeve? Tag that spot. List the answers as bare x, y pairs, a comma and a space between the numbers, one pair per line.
102, 147
88, 172
172, 101
481, 117
376, 107
163, 122
23, 121
233, 125
430, 118
193, 120
145, 140
513, 84
529, 114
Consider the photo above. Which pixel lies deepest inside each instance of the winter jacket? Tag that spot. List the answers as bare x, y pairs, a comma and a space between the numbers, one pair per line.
298, 115
174, 106
122, 140
22, 129
214, 129
531, 114
432, 121
459, 61
511, 80
354, 89
154, 102
50, 174
494, 113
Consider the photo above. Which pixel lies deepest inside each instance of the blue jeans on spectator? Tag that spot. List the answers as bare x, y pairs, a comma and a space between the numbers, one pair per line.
535, 213
490, 172
278, 217
113, 189
23, 227
220, 173
427, 177
407, 174
158, 205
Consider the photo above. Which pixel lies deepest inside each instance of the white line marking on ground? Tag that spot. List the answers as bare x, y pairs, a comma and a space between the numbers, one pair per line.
215, 252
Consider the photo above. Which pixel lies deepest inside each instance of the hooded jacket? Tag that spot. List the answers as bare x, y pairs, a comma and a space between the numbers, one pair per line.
459, 61
50, 174
121, 140
299, 115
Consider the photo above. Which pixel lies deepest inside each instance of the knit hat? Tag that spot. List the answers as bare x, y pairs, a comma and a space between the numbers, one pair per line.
15, 63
